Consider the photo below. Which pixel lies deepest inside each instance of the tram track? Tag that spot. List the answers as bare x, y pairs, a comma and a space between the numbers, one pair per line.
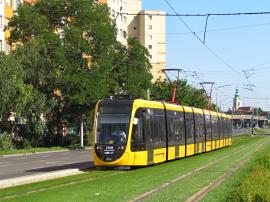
195, 171
215, 183
218, 158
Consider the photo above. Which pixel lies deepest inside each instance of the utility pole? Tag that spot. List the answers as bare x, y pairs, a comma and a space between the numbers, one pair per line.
208, 94
82, 131
174, 84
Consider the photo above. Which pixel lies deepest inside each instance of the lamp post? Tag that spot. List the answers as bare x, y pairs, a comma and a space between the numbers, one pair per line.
217, 88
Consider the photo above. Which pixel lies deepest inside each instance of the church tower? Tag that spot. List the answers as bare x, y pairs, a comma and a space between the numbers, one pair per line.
236, 101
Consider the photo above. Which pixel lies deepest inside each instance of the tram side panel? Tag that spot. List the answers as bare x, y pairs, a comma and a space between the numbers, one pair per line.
154, 129
227, 132
176, 134
221, 138
214, 121
230, 133
139, 139
200, 133
208, 126
189, 133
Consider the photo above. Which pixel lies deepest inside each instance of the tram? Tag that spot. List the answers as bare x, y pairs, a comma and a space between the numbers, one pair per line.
136, 132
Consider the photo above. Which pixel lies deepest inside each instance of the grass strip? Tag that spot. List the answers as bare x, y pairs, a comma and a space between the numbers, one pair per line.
32, 150
186, 188
122, 187
262, 131
226, 191
186, 175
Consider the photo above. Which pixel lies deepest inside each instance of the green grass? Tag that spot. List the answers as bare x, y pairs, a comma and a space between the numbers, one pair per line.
31, 150
262, 131
255, 187
191, 185
110, 186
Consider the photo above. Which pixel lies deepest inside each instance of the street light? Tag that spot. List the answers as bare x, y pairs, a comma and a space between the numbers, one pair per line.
217, 88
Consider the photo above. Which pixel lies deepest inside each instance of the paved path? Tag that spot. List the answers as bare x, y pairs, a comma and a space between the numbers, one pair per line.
26, 165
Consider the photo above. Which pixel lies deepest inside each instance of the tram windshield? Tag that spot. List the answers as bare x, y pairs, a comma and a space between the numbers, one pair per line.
112, 129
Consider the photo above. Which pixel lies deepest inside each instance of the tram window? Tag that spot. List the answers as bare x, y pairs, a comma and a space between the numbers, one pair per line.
208, 126
174, 127
222, 128
189, 128
154, 127
215, 128
182, 128
219, 128
199, 126
138, 141
158, 125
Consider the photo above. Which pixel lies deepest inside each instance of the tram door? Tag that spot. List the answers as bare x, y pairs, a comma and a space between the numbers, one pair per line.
147, 132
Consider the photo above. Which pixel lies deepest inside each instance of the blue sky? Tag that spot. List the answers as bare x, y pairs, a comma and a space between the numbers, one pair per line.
246, 45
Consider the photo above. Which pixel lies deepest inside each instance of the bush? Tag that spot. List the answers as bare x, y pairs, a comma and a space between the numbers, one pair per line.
256, 185
5, 141
88, 139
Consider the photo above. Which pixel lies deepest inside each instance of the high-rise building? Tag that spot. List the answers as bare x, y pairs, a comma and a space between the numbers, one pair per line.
151, 34
148, 26
7, 8
122, 21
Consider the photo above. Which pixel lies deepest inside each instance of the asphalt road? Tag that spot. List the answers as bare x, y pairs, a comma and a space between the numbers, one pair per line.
24, 165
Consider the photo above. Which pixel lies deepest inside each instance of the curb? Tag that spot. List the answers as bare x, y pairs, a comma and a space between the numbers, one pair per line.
40, 177
42, 152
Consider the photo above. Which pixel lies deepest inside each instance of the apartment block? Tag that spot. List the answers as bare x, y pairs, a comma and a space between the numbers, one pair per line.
148, 26
151, 34
7, 8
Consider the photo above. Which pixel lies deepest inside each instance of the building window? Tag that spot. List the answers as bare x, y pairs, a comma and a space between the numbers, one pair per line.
150, 56
7, 21
1, 21
124, 6
18, 2
8, 48
150, 27
150, 17
125, 34
124, 19
150, 37
1, 45
150, 46
134, 28
8, 2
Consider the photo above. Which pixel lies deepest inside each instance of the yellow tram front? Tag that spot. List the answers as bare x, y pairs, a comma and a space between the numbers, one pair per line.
112, 132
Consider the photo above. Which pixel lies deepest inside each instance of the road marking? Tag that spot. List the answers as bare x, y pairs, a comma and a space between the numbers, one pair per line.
4, 162
23, 158
9, 164
51, 162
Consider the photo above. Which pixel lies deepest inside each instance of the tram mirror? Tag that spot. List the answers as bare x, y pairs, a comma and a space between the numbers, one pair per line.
136, 120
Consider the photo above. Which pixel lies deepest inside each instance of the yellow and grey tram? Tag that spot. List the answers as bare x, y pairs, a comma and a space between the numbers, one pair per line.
139, 132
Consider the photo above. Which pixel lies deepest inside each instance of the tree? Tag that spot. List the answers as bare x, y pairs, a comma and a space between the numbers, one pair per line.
186, 94
67, 46
14, 93
70, 47
131, 70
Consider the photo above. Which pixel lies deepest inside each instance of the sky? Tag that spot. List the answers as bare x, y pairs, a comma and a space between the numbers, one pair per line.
242, 42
